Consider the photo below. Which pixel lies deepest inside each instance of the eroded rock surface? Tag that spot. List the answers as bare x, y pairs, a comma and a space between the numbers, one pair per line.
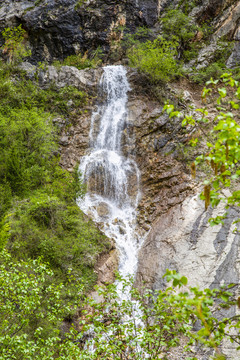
182, 239
155, 143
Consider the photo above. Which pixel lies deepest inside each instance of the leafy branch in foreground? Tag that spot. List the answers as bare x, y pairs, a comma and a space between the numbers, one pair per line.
30, 300
145, 324
148, 324
222, 151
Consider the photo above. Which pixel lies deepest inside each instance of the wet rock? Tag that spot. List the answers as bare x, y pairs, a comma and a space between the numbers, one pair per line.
103, 210
160, 142
122, 230
78, 144
164, 182
106, 267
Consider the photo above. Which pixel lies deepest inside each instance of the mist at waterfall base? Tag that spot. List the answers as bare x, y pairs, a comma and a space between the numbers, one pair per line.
107, 172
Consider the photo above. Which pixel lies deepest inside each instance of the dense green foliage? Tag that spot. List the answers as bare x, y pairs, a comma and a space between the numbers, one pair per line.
155, 322
26, 142
59, 232
155, 58
178, 26
148, 326
38, 211
31, 309
28, 138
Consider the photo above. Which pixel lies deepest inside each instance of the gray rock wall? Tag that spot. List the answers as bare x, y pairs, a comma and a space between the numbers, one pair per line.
182, 239
59, 28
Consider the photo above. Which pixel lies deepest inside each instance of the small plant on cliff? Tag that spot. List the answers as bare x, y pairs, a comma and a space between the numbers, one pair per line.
79, 4
155, 58
14, 47
83, 61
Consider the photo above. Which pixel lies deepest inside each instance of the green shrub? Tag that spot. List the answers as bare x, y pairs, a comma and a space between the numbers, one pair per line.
14, 46
214, 70
79, 4
32, 309
28, 139
179, 27
187, 5
155, 58
141, 35
26, 147
47, 225
176, 23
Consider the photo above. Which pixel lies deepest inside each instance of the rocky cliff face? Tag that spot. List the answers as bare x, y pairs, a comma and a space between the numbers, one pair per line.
58, 28
170, 212
182, 239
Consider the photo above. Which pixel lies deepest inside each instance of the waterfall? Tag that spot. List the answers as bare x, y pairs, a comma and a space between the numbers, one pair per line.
111, 175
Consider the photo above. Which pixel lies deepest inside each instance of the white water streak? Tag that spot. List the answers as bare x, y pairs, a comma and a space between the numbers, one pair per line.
110, 198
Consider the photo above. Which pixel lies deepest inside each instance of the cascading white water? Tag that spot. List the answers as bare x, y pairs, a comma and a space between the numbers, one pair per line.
112, 178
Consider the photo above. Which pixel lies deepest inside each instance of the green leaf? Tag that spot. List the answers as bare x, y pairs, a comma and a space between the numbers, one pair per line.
222, 92
184, 280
